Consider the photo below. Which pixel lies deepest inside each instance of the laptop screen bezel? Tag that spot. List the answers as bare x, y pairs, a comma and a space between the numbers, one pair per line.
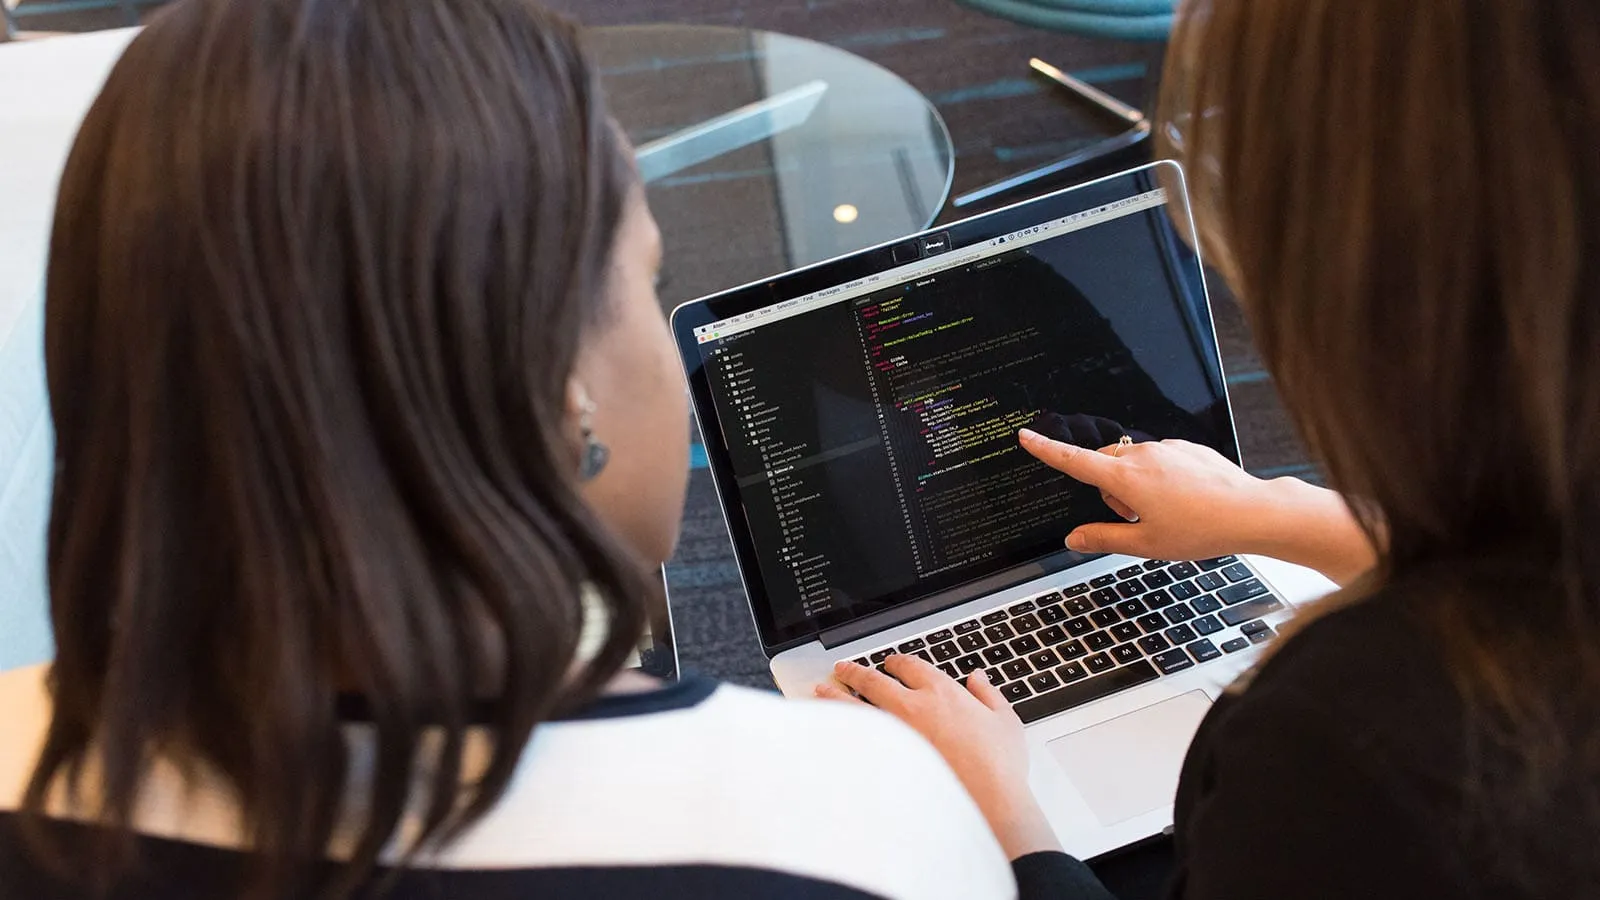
987, 226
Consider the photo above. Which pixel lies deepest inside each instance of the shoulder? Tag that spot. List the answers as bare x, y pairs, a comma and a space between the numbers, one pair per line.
25, 712
747, 779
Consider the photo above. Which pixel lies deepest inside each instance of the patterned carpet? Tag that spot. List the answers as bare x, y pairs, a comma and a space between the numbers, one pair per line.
974, 69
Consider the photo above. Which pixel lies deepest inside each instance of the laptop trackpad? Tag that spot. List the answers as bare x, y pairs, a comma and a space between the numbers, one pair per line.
1129, 765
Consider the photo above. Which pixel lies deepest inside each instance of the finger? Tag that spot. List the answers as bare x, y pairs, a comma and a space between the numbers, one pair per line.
1120, 508
987, 694
1087, 466
1107, 537
875, 687
914, 672
830, 691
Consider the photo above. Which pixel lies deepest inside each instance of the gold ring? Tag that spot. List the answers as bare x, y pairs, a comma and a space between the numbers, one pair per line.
1122, 442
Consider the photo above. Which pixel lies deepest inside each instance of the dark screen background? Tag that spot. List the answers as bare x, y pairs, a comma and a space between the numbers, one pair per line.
873, 441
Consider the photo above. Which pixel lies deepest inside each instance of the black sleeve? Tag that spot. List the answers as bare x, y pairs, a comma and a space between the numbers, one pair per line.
1287, 799
1056, 876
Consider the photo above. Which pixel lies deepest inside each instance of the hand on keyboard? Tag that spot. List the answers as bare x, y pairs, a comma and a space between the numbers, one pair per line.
972, 727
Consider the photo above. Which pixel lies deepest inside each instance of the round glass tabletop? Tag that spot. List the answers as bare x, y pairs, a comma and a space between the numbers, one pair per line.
763, 152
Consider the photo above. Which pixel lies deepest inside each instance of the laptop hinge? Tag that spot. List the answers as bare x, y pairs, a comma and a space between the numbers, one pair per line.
972, 590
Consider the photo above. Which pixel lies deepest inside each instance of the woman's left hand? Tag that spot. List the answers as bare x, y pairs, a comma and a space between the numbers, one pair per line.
972, 727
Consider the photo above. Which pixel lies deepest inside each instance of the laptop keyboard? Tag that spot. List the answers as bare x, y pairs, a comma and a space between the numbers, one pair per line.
1067, 647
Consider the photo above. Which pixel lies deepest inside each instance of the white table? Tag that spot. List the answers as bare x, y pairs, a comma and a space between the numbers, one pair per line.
46, 87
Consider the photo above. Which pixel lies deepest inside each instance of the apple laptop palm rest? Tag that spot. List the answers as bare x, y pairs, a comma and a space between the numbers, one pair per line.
1150, 742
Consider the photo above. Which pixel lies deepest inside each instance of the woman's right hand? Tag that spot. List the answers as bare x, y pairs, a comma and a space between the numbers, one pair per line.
1187, 501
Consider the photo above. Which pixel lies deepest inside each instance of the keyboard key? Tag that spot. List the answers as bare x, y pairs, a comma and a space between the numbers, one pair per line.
1072, 650
1044, 681
1130, 588
1152, 622
1208, 603
938, 636
1085, 691
1210, 581
1125, 631
1025, 644
997, 654
1157, 579
1047, 599
881, 668
969, 625
1219, 562
1184, 590
1104, 617
945, 652
998, 633
1017, 668
1026, 623
1080, 626
1126, 653
969, 663
1235, 645
861, 661
1098, 641
1250, 628
1130, 572
1179, 613
1130, 608
1098, 663
1203, 650
1071, 672
1105, 597
1206, 625
1044, 659
1173, 661
1251, 609
1183, 570
1180, 634
1052, 614
1242, 591
912, 645
1102, 581
1151, 565
995, 617
1261, 637
1052, 636
995, 676
882, 655
1016, 691
1025, 606
1076, 590
1157, 599
1153, 643
971, 643
1236, 573
1079, 606
949, 670
925, 656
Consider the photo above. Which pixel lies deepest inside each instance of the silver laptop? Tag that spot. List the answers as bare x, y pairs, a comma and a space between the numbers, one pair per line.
859, 418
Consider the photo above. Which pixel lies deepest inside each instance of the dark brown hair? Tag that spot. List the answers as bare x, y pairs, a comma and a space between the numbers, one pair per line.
319, 272
1406, 198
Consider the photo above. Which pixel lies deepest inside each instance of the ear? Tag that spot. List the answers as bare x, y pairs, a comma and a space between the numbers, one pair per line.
577, 399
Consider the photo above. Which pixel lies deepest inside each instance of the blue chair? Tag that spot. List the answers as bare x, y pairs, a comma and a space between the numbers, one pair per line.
1127, 20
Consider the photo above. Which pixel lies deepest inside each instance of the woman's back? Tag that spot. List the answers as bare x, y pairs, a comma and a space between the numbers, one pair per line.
692, 790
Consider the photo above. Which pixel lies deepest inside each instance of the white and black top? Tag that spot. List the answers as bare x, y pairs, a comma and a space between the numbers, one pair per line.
693, 790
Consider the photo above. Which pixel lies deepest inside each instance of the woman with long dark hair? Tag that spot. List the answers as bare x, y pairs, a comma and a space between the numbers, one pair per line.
370, 441
1406, 199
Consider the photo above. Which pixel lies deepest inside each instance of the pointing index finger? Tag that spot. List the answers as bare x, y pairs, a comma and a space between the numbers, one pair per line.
1087, 466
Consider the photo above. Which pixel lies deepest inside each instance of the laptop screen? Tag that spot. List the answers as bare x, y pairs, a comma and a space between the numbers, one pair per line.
863, 433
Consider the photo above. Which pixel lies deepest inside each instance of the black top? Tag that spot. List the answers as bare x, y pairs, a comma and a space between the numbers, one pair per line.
1340, 770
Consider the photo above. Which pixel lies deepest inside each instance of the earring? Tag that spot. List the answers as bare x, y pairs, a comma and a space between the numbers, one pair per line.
595, 454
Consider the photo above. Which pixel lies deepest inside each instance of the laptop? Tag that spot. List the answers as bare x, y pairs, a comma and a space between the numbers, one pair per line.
859, 418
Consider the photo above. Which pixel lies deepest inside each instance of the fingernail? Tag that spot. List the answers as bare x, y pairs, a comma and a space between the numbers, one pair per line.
1028, 436
981, 675
818, 691
1075, 541
841, 665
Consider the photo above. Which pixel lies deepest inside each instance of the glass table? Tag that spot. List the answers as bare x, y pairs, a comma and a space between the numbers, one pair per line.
763, 152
